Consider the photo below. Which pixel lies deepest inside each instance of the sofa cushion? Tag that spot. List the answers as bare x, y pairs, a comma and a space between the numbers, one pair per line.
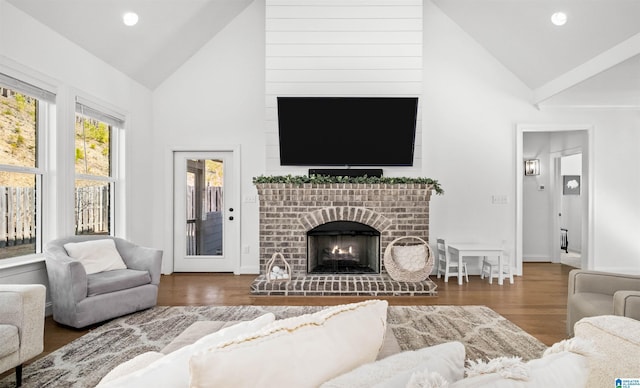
96, 255
116, 280
302, 351
137, 363
199, 329
617, 344
193, 333
564, 369
172, 370
395, 371
9, 340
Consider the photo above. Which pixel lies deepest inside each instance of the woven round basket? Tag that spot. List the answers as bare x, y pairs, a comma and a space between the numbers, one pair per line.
275, 258
395, 269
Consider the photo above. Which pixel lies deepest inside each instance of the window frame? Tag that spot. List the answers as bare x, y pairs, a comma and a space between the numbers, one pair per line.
55, 168
116, 122
45, 123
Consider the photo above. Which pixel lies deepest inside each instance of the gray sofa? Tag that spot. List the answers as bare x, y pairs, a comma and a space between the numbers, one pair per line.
79, 300
593, 293
21, 325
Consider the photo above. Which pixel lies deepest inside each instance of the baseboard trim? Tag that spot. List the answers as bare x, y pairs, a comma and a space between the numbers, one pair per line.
536, 258
249, 270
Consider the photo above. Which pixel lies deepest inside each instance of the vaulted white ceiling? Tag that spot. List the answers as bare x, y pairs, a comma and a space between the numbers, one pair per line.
593, 59
594, 56
168, 32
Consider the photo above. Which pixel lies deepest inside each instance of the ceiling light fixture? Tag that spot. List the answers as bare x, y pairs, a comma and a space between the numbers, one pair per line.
130, 19
559, 18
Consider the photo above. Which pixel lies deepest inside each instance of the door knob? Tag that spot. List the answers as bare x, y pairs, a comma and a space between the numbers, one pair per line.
230, 209
231, 218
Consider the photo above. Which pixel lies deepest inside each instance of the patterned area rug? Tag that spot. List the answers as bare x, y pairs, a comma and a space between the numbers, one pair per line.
83, 362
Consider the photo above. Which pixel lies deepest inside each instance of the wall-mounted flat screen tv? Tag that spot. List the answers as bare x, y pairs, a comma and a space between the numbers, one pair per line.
347, 131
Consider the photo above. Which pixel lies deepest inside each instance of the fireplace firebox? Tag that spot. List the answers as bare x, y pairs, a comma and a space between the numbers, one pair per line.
343, 247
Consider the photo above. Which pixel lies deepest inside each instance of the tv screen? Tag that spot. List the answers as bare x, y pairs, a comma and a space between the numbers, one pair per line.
347, 131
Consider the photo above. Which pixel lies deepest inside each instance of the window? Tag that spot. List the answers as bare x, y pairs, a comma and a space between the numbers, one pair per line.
95, 180
23, 125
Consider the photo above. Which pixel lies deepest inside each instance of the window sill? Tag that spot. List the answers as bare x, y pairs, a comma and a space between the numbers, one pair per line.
20, 261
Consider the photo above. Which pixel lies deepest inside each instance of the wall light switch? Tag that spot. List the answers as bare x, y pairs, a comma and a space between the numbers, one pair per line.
249, 199
541, 188
499, 199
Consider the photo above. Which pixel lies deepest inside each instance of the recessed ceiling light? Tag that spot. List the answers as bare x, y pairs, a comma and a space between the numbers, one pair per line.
130, 18
559, 18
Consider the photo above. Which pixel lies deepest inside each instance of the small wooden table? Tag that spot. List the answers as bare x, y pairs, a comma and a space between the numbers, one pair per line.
473, 249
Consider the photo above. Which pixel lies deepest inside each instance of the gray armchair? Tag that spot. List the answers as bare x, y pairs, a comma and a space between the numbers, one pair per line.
21, 325
593, 293
79, 300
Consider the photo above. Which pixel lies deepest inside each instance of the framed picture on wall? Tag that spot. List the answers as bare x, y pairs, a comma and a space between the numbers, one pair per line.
571, 184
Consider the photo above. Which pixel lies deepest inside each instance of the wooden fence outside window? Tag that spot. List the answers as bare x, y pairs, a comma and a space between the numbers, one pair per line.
18, 213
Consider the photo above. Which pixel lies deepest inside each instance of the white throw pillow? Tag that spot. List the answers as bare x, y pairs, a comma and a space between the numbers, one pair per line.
410, 257
395, 371
564, 369
299, 352
426, 379
135, 364
96, 255
172, 370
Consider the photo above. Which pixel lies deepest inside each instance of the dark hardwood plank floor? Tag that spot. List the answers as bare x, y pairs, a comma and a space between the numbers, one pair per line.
536, 302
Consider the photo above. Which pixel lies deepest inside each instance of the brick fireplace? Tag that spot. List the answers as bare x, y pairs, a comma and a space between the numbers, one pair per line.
343, 247
289, 211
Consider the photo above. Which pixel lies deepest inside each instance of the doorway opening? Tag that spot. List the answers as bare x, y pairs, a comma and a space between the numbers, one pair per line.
206, 232
553, 222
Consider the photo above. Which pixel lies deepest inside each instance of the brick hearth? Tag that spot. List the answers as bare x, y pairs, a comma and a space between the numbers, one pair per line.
325, 285
288, 211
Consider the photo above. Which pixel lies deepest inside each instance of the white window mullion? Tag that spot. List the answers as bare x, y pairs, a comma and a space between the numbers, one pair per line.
21, 169
97, 178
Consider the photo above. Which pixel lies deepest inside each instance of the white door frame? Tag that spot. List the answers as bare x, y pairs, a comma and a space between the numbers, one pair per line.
588, 182
168, 258
556, 190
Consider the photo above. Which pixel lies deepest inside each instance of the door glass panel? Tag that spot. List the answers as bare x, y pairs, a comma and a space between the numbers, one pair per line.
205, 187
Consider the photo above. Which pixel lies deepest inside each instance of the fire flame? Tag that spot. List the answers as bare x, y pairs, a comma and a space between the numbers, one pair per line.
341, 251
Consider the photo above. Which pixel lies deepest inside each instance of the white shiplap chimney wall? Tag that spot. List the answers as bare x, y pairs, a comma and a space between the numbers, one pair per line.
363, 48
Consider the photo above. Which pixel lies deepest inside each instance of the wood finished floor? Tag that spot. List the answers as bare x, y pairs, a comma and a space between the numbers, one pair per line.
536, 302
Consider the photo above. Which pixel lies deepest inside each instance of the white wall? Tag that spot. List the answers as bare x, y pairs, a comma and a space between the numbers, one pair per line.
32, 52
571, 205
471, 104
216, 98
371, 48
537, 199
617, 188
470, 107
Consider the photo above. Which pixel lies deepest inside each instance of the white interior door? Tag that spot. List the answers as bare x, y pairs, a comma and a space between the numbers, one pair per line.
206, 214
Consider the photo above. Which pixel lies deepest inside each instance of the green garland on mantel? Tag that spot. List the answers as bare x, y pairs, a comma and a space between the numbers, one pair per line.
326, 179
